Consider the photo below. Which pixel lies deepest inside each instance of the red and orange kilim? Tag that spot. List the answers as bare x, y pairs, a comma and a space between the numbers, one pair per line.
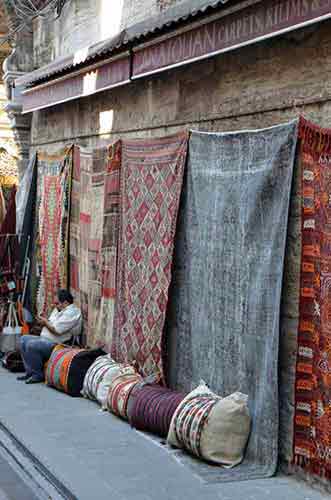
312, 425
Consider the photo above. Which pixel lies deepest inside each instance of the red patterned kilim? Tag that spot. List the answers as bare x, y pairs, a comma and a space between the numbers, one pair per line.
312, 426
50, 241
151, 181
47, 165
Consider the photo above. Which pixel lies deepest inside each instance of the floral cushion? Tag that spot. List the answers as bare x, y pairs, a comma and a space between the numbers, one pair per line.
210, 427
67, 367
100, 376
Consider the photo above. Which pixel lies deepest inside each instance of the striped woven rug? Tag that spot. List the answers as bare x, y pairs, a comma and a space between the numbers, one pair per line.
312, 430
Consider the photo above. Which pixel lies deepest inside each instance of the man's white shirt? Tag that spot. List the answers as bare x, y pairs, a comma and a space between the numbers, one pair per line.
67, 323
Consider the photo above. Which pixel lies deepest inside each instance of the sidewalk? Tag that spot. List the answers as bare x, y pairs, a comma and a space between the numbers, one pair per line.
93, 455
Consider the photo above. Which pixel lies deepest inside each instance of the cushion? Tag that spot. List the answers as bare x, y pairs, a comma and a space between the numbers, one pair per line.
100, 376
210, 427
67, 367
154, 378
153, 408
119, 393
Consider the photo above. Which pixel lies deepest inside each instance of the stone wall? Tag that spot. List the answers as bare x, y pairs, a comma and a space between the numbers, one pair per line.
85, 22
257, 86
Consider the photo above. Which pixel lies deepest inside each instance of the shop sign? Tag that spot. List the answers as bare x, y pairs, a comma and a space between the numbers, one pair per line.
251, 24
102, 76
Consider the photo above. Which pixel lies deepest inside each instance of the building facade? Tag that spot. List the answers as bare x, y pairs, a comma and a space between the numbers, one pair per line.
254, 86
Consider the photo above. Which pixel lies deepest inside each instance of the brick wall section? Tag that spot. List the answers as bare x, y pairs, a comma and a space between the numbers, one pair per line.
234, 91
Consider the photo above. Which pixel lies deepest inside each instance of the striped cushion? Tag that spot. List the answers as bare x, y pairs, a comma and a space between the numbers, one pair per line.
153, 409
119, 393
67, 368
154, 378
100, 376
210, 427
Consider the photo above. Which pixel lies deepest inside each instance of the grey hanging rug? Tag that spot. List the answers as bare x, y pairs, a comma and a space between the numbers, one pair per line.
223, 324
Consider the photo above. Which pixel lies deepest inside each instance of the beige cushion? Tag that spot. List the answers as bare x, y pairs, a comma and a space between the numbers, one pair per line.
100, 376
213, 428
114, 371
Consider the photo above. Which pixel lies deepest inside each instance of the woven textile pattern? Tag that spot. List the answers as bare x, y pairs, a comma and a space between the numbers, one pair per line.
86, 164
66, 187
54, 234
74, 225
98, 169
190, 419
58, 367
50, 242
119, 393
96, 374
47, 165
153, 409
8, 227
2, 207
67, 368
312, 429
108, 259
151, 181
93, 238
223, 323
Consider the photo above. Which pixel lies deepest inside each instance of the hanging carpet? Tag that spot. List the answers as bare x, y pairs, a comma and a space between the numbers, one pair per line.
104, 319
3, 209
47, 165
74, 227
26, 195
151, 181
99, 163
85, 167
312, 425
25, 214
53, 235
223, 324
93, 239
8, 239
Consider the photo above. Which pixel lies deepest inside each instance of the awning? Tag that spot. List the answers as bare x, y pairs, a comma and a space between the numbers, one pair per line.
210, 29
216, 35
96, 78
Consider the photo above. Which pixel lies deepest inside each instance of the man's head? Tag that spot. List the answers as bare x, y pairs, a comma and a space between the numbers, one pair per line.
64, 299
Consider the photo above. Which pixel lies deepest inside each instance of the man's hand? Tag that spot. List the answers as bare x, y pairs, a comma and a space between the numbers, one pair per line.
42, 321
45, 322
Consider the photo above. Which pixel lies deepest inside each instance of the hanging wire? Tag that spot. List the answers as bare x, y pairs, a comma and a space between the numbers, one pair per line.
28, 10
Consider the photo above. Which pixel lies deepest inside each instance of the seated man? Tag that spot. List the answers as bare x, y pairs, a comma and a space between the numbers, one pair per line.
64, 323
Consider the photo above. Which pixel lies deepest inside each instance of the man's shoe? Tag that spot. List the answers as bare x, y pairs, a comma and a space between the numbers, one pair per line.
32, 380
23, 377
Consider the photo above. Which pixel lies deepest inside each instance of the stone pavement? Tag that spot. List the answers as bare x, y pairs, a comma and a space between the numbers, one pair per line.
13, 486
73, 450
